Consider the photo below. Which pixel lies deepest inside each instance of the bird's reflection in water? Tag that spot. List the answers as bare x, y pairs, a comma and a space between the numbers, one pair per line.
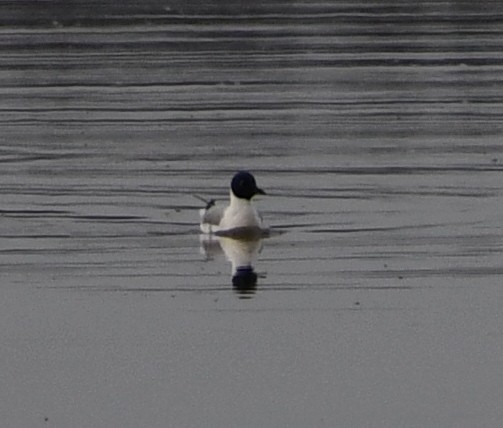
242, 252
244, 281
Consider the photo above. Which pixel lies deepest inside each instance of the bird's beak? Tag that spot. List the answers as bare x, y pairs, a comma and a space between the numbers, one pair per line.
260, 192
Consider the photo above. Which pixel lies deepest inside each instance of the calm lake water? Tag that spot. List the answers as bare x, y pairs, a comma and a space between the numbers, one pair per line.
376, 130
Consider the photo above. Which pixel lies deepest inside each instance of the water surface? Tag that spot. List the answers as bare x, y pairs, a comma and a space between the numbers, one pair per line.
375, 129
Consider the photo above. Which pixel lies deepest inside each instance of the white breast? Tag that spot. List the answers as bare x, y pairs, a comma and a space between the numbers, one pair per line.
239, 214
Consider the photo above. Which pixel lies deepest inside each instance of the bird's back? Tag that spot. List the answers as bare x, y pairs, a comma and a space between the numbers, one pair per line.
211, 218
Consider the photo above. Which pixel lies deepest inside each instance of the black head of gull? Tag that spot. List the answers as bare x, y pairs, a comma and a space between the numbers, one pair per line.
243, 186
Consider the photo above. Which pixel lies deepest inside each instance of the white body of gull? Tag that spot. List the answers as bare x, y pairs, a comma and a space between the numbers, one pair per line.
240, 216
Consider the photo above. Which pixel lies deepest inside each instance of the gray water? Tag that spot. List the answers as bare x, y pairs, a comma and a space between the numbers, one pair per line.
376, 130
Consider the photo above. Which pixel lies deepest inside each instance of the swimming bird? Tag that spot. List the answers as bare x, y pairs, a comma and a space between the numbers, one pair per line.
238, 218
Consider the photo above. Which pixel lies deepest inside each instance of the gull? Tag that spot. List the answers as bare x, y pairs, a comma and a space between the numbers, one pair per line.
239, 218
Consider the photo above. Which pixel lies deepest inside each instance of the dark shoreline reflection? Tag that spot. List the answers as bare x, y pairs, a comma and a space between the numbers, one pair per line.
242, 253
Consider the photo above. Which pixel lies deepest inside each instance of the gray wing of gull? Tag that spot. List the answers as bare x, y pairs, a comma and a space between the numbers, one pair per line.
213, 215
